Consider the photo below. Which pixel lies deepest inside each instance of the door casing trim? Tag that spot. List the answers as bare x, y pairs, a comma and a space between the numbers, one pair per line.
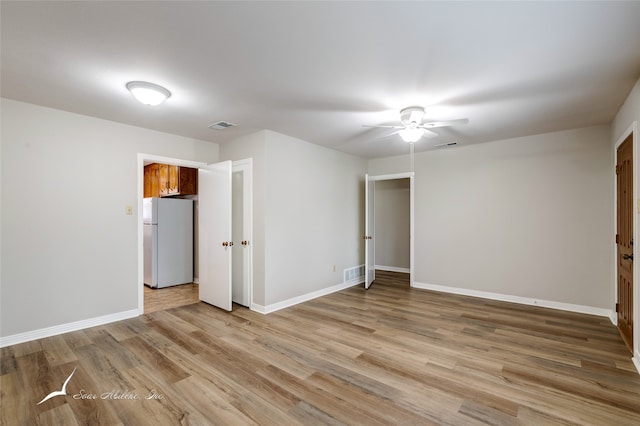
150, 158
411, 177
632, 130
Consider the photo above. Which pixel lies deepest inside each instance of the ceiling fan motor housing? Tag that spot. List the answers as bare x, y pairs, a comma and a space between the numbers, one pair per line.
412, 114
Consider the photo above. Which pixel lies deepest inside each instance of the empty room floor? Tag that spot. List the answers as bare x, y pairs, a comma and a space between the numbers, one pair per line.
160, 299
389, 355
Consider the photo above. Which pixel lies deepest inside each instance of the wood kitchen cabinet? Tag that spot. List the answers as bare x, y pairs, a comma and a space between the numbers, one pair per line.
165, 180
151, 188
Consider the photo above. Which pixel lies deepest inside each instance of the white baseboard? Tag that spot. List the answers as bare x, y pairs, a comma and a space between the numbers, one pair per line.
636, 361
392, 269
304, 298
613, 317
518, 299
258, 308
66, 328
351, 283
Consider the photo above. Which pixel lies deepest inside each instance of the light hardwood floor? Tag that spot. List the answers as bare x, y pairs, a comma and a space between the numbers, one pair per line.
160, 299
389, 355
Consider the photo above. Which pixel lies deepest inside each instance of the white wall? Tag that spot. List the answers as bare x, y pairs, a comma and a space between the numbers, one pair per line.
392, 230
528, 217
69, 252
624, 119
314, 216
307, 214
628, 113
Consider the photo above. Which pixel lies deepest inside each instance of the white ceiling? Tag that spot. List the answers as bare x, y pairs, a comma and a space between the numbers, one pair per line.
319, 71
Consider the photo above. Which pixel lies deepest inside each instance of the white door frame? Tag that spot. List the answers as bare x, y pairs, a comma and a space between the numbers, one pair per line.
142, 159
369, 232
633, 129
410, 176
152, 158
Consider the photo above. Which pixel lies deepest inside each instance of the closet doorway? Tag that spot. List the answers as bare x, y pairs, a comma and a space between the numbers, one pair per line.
382, 244
241, 231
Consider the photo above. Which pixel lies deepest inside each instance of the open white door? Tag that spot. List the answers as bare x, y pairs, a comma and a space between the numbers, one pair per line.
214, 234
369, 230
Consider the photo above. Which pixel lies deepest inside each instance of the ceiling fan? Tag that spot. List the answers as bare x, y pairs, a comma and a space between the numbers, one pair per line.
412, 128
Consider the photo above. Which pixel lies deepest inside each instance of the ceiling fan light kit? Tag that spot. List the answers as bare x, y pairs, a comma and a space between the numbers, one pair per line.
148, 93
412, 128
411, 135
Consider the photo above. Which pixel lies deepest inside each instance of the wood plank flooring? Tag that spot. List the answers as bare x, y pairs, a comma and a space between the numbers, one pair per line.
389, 355
160, 299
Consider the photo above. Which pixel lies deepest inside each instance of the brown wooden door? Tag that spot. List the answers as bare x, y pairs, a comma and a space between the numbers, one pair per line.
624, 240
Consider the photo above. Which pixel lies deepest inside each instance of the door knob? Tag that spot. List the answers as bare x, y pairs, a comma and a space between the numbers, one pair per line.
225, 244
628, 256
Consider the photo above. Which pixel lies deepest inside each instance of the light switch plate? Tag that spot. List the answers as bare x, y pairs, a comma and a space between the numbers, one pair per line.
128, 210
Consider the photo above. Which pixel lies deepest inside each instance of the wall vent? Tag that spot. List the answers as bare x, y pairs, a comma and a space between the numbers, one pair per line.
446, 145
354, 275
221, 125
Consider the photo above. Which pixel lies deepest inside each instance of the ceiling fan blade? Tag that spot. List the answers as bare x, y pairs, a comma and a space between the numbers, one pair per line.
384, 127
431, 124
389, 135
428, 133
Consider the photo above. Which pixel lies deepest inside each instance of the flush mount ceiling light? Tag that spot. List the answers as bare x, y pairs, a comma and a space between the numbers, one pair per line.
148, 93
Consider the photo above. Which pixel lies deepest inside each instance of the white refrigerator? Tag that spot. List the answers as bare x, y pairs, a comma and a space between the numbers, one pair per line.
168, 241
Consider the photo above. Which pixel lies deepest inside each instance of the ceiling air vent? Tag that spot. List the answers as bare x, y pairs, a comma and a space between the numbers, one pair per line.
221, 125
446, 145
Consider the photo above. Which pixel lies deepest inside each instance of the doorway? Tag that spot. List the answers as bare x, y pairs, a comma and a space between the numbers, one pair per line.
242, 190
371, 237
625, 239
391, 217
241, 232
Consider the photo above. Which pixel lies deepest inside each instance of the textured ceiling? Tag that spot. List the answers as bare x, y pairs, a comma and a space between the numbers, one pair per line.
319, 71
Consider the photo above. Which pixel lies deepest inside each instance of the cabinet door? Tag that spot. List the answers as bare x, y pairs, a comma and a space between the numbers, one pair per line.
163, 179
188, 179
147, 182
173, 180
151, 188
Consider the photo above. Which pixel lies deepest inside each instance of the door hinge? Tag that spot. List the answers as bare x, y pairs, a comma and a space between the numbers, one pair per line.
617, 170
617, 238
617, 307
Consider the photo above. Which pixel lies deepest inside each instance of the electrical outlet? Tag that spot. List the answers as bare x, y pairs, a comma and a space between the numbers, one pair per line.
128, 210
334, 268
